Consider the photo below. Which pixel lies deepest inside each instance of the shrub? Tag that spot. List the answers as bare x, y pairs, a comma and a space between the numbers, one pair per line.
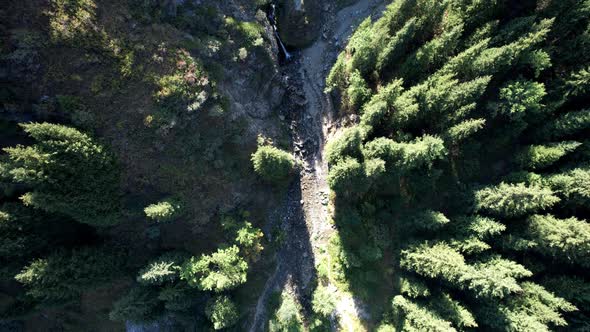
273, 164
222, 312
324, 301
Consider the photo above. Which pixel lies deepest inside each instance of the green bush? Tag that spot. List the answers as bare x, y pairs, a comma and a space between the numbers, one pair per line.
324, 301
222, 312
273, 164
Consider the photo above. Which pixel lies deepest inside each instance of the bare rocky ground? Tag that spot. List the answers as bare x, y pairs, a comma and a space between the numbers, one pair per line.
304, 217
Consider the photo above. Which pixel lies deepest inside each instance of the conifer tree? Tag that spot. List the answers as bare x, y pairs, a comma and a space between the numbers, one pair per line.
452, 310
413, 287
347, 177
413, 317
573, 185
422, 152
427, 220
272, 164
565, 125
348, 144
63, 276
514, 200
459, 132
140, 304
69, 173
537, 157
220, 271
162, 270
163, 211
358, 92
396, 46
430, 56
563, 239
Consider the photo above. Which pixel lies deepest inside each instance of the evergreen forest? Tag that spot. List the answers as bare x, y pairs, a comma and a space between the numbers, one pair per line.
291, 166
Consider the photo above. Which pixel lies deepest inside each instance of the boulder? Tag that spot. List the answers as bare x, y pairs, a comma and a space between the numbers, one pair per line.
299, 22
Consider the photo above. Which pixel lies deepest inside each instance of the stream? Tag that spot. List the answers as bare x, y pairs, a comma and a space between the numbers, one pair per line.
304, 215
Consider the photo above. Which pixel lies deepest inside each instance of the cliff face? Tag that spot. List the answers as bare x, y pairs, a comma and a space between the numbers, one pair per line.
299, 21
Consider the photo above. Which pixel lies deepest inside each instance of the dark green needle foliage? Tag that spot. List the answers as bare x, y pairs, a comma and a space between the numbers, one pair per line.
471, 150
223, 270
69, 173
63, 276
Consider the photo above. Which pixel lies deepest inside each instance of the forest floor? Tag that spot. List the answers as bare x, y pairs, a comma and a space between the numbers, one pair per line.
304, 218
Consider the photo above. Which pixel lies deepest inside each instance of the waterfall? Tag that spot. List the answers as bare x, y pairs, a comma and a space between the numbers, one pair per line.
273, 22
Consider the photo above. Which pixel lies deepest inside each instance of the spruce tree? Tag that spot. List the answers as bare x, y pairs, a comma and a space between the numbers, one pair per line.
69, 173
563, 239
514, 200
413, 317
220, 271
537, 157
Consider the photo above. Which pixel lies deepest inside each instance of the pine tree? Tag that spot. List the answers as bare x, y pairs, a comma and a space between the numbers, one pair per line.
459, 132
534, 310
565, 125
69, 174
426, 221
163, 211
439, 95
468, 233
249, 239
347, 177
434, 261
578, 83
220, 271
514, 200
573, 185
563, 239
162, 270
140, 304
357, 92
324, 301
347, 144
413, 317
63, 276
537, 157
421, 153
495, 277
396, 46
571, 288
497, 60
376, 111
361, 50
452, 310
430, 56
413, 287
519, 98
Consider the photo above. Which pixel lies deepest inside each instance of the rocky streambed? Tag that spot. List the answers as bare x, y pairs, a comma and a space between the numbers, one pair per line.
304, 217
